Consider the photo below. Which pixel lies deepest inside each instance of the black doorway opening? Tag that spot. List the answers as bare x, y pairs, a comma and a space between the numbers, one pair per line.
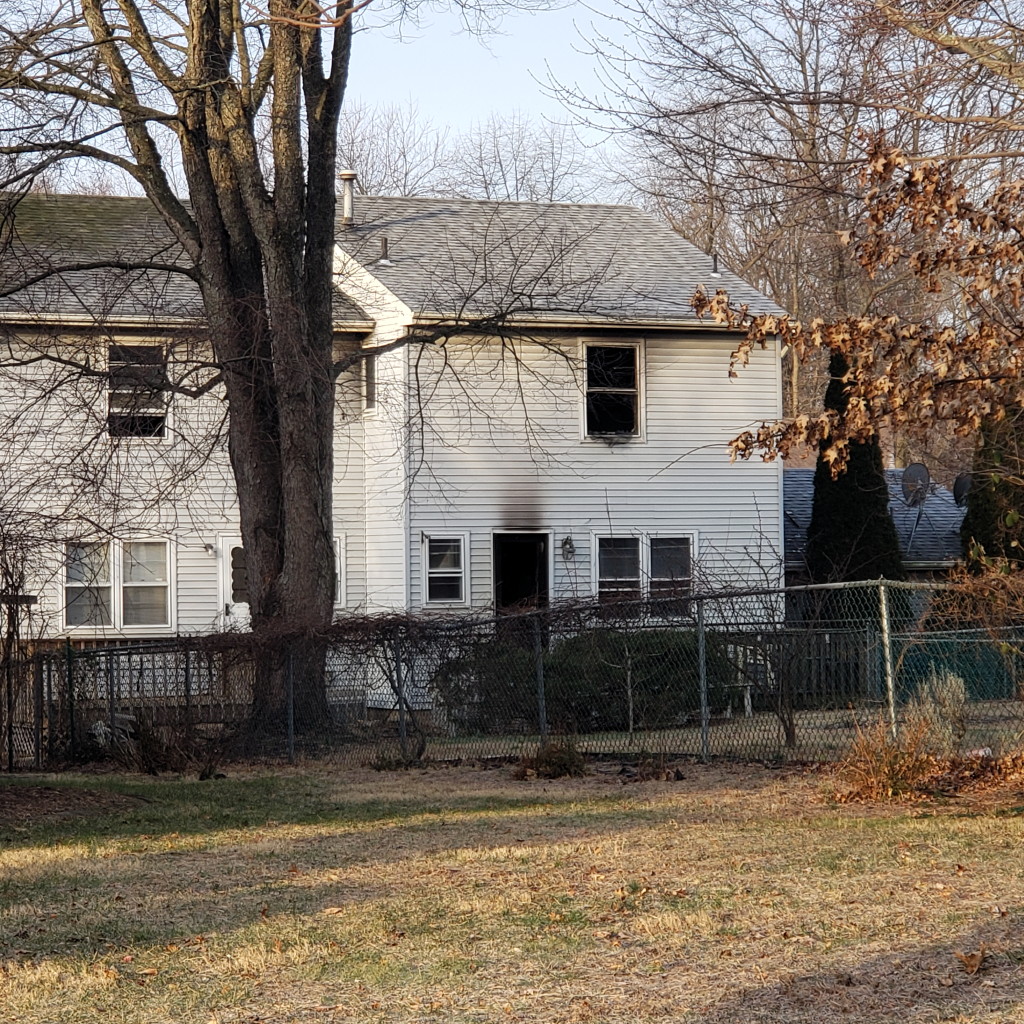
520, 571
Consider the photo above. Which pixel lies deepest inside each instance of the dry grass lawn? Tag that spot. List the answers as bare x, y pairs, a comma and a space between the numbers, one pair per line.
738, 894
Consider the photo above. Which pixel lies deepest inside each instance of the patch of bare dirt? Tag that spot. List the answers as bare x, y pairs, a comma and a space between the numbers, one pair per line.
24, 805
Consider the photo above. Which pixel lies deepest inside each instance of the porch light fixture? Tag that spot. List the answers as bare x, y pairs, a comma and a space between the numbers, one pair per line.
568, 549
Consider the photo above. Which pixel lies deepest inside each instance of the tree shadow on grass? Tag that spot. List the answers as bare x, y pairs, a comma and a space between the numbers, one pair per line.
192, 808
911, 985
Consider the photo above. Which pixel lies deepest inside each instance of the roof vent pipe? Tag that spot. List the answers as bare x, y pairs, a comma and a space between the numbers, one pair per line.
348, 189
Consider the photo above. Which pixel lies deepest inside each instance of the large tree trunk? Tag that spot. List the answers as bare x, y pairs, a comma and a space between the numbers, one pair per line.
266, 274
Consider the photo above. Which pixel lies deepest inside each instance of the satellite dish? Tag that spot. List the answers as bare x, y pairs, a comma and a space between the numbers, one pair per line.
916, 480
961, 488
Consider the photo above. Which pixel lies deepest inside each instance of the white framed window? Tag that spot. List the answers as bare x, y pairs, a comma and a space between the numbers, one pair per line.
648, 567
136, 391
613, 375
120, 584
145, 583
445, 579
369, 380
670, 573
340, 580
87, 584
618, 569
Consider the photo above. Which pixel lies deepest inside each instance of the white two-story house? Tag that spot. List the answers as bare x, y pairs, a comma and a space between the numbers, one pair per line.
536, 415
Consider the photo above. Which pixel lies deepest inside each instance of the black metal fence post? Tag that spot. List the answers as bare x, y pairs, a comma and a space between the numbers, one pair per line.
70, 682
9, 679
37, 738
187, 680
403, 731
112, 713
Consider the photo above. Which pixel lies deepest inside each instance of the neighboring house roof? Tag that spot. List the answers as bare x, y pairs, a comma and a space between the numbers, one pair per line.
465, 258
45, 233
929, 535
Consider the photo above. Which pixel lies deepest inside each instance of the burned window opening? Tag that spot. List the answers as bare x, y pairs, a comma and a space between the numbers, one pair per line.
613, 391
136, 386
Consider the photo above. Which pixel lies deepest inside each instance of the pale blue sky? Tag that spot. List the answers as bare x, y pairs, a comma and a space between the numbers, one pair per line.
455, 78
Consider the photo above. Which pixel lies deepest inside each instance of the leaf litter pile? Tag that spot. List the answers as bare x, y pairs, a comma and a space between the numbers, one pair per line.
719, 894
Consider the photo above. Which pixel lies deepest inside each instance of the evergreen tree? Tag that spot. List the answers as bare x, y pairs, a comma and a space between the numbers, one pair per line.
851, 534
993, 528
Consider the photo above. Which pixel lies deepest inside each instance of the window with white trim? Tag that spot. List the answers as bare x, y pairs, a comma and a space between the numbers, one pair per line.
658, 569
618, 568
671, 573
136, 391
340, 597
369, 381
445, 558
613, 391
145, 582
87, 587
117, 584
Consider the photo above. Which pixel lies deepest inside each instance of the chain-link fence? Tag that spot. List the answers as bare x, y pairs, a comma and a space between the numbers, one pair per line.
774, 674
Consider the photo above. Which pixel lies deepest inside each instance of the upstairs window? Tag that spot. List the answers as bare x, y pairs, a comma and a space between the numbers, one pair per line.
136, 391
613, 390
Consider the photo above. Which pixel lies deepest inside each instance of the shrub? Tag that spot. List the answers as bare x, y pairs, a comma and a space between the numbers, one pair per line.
556, 759
491, 688
599, 680
939, 711
880, 767
619, 680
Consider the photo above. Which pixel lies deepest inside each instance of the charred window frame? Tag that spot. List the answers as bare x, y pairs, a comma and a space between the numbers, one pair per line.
613, 391
136, 391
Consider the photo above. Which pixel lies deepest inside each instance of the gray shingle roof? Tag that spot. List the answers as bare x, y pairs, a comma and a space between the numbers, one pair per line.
933, 538
447, 257
46, 233
50, 232
472, 257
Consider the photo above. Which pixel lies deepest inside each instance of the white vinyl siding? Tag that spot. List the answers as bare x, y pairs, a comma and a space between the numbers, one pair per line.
501, 451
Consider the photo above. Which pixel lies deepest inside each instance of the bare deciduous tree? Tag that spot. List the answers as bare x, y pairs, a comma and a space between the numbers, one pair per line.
750, 123
236, 106
398, 152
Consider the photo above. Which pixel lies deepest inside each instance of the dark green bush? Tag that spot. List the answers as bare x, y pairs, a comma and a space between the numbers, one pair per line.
491, 688
608, 679
601, 680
